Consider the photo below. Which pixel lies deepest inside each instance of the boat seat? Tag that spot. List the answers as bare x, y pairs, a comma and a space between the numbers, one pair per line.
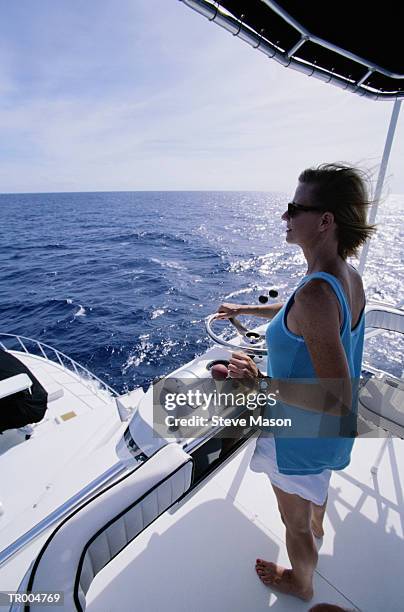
385, 317
20, 382
381, 399
89, 538
14, 384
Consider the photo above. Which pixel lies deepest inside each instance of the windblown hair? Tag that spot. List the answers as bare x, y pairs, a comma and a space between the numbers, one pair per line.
344, 191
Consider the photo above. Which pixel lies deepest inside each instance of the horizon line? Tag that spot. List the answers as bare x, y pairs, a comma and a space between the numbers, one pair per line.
143, 191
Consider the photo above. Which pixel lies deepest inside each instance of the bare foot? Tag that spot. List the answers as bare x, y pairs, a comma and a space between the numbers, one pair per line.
281, 579
317, 529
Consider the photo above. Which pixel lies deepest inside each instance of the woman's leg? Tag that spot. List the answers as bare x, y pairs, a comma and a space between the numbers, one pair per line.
317, 519
296, 513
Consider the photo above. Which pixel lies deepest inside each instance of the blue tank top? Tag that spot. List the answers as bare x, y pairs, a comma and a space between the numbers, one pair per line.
329, 438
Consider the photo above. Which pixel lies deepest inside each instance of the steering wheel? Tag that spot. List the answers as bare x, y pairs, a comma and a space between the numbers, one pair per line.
251, 342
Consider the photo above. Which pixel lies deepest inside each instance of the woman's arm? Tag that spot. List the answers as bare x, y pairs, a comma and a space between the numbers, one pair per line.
317, 314
267, 311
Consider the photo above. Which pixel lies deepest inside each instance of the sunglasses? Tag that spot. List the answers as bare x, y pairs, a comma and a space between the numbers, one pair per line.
293, 209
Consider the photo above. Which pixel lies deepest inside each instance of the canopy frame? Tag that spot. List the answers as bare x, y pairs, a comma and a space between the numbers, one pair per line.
214, 11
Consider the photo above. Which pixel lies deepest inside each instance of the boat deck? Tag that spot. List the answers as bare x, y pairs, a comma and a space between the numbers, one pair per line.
200, 555
66, 451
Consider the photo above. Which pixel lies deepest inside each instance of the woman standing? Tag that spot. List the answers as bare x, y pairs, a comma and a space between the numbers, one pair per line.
317, 334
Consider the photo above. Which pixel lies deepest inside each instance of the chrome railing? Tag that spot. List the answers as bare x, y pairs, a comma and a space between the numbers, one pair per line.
38, 349
213, 11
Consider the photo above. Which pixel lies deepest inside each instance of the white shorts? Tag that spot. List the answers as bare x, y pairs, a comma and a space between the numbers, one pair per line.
313, 487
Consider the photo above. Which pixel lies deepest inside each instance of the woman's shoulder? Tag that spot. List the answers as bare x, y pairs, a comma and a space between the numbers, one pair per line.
347, 275
355, 276
316, 290
319, 290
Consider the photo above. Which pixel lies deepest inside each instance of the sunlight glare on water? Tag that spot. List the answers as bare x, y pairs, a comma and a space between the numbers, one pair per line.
122, 281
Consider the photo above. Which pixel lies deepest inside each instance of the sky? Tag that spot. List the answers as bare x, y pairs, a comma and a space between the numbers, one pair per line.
149, 95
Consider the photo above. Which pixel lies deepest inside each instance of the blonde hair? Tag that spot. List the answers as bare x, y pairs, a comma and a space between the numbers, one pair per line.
345, 191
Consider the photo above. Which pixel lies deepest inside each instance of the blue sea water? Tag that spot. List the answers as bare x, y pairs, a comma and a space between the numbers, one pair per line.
122, 281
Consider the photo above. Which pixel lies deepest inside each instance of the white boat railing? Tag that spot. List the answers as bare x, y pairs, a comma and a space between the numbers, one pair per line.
38, 349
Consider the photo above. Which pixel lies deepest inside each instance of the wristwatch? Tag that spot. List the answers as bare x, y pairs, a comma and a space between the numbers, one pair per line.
264, 383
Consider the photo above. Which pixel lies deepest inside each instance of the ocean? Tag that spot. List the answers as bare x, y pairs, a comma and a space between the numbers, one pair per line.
122, 281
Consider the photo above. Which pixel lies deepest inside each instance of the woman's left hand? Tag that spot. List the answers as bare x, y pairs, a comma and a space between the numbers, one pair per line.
242, 366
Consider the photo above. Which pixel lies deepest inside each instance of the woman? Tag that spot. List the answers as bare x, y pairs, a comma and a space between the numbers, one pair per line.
317, 334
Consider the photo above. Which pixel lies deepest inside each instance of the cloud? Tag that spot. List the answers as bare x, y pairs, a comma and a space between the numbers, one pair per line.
151, 97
